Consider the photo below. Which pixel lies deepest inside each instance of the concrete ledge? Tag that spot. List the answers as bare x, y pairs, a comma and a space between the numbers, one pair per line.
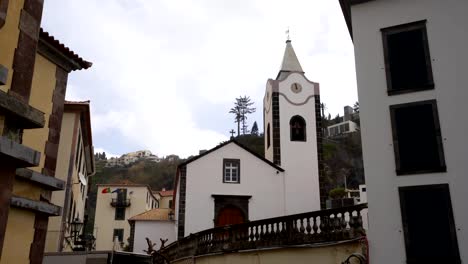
38, 206
49, 182
26, 115
17, 154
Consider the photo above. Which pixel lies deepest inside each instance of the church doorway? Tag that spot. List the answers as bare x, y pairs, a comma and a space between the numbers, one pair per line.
229, 215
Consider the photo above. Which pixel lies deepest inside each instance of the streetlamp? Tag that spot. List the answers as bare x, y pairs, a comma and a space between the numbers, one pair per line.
76, 227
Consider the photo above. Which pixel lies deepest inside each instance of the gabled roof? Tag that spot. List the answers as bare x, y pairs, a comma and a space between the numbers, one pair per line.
290, 62
157, 214
226, 143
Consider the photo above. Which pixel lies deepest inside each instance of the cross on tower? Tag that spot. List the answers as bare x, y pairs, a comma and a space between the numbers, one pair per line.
232, 133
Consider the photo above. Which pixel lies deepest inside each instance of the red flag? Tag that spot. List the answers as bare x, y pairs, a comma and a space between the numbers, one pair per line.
106, 190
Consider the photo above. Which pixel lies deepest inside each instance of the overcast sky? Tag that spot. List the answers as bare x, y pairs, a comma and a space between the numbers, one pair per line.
166, 72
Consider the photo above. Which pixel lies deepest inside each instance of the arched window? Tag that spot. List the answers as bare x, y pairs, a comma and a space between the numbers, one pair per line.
268, 135
297, 126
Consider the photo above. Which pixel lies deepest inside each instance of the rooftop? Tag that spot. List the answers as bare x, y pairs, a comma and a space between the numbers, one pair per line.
157, 214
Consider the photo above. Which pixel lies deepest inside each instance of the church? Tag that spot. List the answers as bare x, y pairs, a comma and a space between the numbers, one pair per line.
231, 184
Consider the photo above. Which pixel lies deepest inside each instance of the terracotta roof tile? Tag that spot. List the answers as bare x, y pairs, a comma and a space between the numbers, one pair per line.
64, 49
157, 214
166, 193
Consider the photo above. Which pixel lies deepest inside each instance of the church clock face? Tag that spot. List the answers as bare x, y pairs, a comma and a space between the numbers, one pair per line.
296, 88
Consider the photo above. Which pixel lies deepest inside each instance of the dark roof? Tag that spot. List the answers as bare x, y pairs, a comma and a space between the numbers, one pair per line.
79, 62
226, 143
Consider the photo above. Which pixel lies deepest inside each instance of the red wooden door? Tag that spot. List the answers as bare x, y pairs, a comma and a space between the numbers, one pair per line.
229, 216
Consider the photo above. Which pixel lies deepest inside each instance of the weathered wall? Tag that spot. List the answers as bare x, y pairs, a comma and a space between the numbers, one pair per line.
447, 39
331, 254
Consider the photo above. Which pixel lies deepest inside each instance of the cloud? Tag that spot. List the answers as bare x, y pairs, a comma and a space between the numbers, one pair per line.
165, 73
108, 154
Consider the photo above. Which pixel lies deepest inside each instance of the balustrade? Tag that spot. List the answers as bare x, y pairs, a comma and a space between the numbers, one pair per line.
329, 225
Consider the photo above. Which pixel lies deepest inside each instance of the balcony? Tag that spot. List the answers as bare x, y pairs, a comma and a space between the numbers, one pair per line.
115, 202
329, 226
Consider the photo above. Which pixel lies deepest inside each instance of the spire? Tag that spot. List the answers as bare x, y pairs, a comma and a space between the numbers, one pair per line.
290, 62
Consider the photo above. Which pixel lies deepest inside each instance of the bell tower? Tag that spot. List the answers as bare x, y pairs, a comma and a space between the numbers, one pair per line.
293, 135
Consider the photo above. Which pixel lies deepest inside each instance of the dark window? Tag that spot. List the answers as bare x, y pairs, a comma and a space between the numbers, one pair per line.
118, 233
231, 170
428, 224
417, 138
170, 203
119, 213
297, 126
268, 135
407, 59
363, 189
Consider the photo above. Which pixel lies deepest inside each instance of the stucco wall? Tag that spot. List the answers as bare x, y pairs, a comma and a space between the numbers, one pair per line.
154, 230
268, 119
61, 172
164, 201
18, 237
299, 159
105, 223
9, 39
447, 37
43, 85
257, 178
330, 254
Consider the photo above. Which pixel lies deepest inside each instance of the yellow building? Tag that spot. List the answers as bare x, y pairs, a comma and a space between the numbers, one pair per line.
75, 164
33, 75
165, 198
115, 204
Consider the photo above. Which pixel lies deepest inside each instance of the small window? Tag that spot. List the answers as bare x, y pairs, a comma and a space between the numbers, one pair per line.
119, 234
407, 59
417, 138
297, 126
268, 135
231, 170
364, 189
170, 203
428, 225
120, 213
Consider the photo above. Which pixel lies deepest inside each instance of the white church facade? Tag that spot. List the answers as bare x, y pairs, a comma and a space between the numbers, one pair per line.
231, 184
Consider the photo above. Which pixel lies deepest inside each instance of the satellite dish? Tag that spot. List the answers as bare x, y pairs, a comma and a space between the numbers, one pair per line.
82, 178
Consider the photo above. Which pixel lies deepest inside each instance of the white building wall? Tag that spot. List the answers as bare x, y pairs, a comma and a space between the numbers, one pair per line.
299, 159
154, 230
257, 178
448, 39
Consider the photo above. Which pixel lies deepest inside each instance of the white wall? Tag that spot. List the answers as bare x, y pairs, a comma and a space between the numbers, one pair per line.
257, 178
154, 230
299, 159
448, 39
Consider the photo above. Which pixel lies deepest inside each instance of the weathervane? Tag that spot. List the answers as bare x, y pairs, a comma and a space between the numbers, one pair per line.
287, 34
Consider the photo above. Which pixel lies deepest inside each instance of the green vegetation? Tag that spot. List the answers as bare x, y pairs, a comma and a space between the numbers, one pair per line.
337, 193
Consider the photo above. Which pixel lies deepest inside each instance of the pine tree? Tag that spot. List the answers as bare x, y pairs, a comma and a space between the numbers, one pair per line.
242, 107
254, 130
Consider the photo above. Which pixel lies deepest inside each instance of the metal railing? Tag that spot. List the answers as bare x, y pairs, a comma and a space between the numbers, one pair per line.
307, 228
115, 202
